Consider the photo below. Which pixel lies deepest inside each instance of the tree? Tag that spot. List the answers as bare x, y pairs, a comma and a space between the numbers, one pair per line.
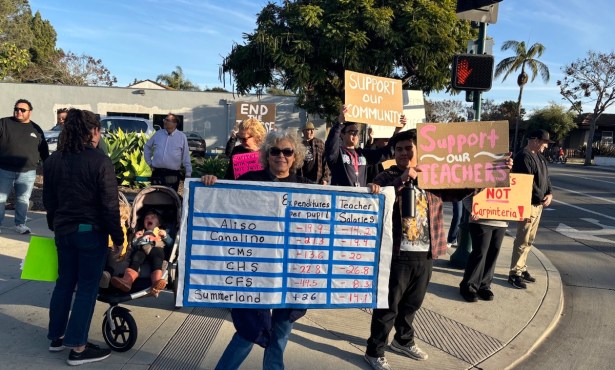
445, 111
307, 45
15, 17
83, 70
177, 80
523, 58
43, 48
554, 118
505, 111
590, 81
12, 59
68, 68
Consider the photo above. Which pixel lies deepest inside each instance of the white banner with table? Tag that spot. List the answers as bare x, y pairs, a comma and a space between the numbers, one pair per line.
273, 245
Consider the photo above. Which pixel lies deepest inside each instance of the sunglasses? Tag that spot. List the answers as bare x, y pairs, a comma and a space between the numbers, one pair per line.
288, 152
22, 110
243, 139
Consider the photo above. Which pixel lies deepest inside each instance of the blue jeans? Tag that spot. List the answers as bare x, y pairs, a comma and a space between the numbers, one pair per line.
81, 258
239, 348
23, 183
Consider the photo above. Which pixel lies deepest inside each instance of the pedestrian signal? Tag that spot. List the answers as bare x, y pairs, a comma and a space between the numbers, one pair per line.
472, 72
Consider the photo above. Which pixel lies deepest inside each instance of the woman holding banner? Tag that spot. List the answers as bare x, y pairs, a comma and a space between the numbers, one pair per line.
281, 155
251, 133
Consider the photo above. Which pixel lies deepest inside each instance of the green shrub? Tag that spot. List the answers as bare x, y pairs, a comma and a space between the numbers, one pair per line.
126, 153
209, 166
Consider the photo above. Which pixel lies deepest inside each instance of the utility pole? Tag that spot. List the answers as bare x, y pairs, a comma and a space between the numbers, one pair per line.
459, 258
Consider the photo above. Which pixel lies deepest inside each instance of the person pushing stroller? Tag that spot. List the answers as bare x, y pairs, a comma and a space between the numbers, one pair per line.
148, 244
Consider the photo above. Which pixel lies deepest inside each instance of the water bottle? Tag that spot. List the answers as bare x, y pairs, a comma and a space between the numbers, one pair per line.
408, 201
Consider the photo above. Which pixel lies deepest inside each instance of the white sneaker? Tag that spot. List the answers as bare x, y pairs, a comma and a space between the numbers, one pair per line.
411, 351
377, 363
22, 229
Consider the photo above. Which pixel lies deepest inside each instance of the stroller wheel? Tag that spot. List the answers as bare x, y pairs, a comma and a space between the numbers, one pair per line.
119, 329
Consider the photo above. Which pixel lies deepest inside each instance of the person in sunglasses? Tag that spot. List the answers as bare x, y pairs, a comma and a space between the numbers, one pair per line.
347, 162
281, 155
22, 145
250, 133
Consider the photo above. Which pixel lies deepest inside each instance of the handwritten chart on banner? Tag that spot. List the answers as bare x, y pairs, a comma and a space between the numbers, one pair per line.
261, 111
246, 162
462, 155
512, 203
273, 245
372, 100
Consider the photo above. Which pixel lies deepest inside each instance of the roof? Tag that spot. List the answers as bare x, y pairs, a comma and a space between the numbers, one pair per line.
606, 120
149, 84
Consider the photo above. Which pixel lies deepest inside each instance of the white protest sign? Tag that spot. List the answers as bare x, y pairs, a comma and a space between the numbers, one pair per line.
274, 245
414, 110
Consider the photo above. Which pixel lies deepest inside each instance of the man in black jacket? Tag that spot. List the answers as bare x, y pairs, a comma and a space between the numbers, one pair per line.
530, 161
22, 145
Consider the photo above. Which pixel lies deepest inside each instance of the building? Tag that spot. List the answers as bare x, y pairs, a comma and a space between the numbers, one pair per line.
211, 114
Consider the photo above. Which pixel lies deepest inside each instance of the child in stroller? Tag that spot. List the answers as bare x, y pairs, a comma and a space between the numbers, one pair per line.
148, 244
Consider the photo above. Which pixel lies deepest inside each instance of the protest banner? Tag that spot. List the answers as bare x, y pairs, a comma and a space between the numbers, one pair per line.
372, 100
413, 109
512, 203
246, 162
461, 155
261, 111
275, 245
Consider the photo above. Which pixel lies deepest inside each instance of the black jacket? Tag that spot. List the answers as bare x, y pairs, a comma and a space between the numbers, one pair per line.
534, 164
81, 188
21, 145
341, 162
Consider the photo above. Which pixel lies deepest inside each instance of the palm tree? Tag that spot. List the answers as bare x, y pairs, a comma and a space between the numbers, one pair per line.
523, 58
177, 80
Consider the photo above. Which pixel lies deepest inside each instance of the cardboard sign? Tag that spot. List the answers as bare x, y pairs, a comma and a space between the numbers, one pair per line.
41, 262
275, 245
512, 203
461, 155
372, 100
261, 111
414, 110
246, 162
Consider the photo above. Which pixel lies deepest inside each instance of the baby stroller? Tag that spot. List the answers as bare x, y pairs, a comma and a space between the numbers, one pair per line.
119, 327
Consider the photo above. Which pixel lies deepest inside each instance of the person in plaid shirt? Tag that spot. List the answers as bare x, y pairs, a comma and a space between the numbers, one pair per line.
417, 241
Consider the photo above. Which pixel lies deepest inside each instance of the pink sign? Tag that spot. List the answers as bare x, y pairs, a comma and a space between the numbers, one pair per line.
246, 162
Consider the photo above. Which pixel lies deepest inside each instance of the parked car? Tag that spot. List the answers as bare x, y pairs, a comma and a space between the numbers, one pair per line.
127, 124
51, 137
196, 143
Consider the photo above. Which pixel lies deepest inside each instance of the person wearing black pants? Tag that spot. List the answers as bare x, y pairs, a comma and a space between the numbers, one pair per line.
487, 237
408, 281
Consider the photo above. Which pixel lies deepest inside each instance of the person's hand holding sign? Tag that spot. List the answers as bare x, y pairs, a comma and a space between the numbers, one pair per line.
403, 121
208, 180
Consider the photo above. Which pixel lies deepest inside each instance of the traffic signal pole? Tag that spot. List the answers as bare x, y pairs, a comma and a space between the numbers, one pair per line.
459, 259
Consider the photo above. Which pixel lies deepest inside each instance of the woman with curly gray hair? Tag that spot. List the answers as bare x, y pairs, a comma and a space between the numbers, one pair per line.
282, 155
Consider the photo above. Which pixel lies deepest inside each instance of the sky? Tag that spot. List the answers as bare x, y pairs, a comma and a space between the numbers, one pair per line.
141, 39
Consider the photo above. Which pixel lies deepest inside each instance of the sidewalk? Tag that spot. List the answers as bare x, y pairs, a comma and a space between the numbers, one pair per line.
455, 334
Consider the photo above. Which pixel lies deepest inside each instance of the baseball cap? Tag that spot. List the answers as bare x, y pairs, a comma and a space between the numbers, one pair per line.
541, 135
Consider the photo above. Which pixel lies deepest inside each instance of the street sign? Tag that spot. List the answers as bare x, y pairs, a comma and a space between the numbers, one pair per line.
485, 14
472, 72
